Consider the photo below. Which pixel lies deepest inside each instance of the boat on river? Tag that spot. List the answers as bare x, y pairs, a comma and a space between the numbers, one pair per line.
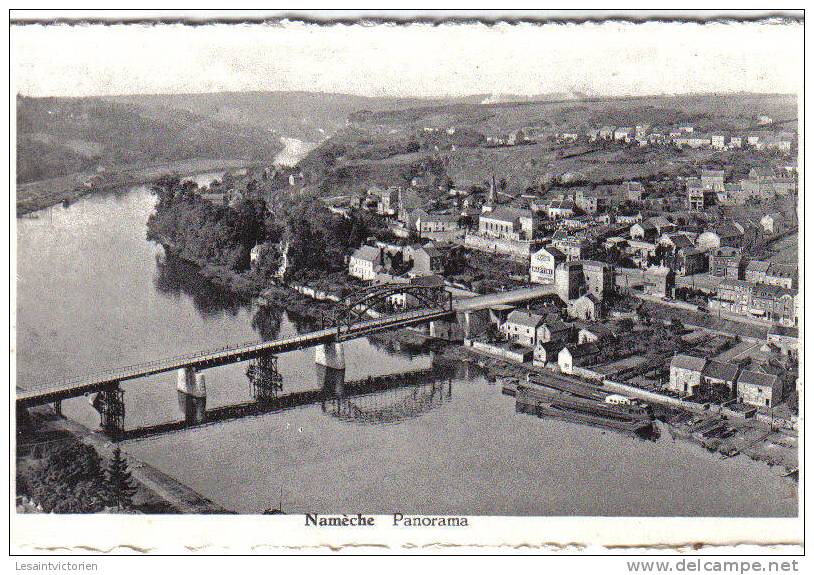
628, 418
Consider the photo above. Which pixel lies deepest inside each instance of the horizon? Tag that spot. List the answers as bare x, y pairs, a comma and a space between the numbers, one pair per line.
413, 61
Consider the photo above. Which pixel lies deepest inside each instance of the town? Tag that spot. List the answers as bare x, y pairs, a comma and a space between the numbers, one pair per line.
678, 290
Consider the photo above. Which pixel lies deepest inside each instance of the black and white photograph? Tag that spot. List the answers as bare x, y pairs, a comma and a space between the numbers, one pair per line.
416, 278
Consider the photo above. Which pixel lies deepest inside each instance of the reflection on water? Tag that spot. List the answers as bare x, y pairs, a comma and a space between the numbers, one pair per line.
177, 277
91, 295
384, 399
391, 406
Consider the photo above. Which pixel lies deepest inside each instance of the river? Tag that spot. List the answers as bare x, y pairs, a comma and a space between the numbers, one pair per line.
93, 293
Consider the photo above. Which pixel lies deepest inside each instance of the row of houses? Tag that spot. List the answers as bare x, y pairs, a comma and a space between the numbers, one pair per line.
769, 302
684, 135
368, 262
688, 374
762, 184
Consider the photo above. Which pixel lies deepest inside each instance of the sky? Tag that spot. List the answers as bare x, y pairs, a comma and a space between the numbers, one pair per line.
417, 60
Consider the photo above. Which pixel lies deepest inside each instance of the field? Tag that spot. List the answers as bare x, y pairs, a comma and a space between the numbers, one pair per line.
449, 143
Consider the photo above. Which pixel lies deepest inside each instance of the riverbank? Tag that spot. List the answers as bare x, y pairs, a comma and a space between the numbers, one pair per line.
35, 196
776, 448
156, 492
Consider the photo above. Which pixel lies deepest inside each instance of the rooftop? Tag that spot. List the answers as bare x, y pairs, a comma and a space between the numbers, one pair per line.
749, 377
688, 362
721, 370
367, 253
525, 318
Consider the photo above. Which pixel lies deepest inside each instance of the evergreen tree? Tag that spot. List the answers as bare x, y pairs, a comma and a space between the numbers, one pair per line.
120, 481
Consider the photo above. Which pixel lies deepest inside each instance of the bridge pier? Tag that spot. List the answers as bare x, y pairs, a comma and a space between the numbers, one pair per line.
331, 354
110, 405
330, 363
264, 378
191, 382
192, 394
193, 408
58, 408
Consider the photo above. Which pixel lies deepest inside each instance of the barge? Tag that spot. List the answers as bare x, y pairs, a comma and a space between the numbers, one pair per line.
549, 403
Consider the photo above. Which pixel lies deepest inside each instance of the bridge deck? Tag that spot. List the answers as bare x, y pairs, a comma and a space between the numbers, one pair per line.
213, 358
230, 354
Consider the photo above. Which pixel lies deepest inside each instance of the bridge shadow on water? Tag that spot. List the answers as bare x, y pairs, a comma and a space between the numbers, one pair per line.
382, 400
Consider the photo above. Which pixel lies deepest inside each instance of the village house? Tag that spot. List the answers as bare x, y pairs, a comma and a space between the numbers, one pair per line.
587, 307
764, 184
690, 261
712, 180
425, 259
734, 296
773, 223
590, 201
692, 140
547, 353
727, 262
623, 134
678, 240
558, 209
785, 339
731, 195
645, 230
443, 227
633, 191
406, 300
387, 200
507, 223
718, 141
699, 198
727, 234
769, 302
365, 263
781, 275
522, 327
628, 219
640, 252
759, 389
718, 373
659, 281
606, 132
577, 356
554, 329
774, 303
543, 263
593, 332
756, 271
685, 373
408, 202
572, 247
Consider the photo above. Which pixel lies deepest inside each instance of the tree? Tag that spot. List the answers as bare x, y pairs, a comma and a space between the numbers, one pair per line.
120, 481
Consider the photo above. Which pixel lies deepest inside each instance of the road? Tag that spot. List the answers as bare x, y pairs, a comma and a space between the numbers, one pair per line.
505, 298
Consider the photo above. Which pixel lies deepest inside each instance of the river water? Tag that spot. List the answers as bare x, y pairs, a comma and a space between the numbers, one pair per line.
92, 293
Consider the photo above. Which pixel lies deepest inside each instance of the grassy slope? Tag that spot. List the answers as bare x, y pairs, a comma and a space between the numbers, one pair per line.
375, 147
60, 136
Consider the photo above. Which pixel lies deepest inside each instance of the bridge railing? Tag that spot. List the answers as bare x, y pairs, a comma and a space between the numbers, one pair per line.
111, 374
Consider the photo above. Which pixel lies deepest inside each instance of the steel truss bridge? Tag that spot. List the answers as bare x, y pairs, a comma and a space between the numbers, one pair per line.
351, 320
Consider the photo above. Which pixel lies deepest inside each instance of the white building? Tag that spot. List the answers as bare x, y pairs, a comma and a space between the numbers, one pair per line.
543, 263
365, 263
